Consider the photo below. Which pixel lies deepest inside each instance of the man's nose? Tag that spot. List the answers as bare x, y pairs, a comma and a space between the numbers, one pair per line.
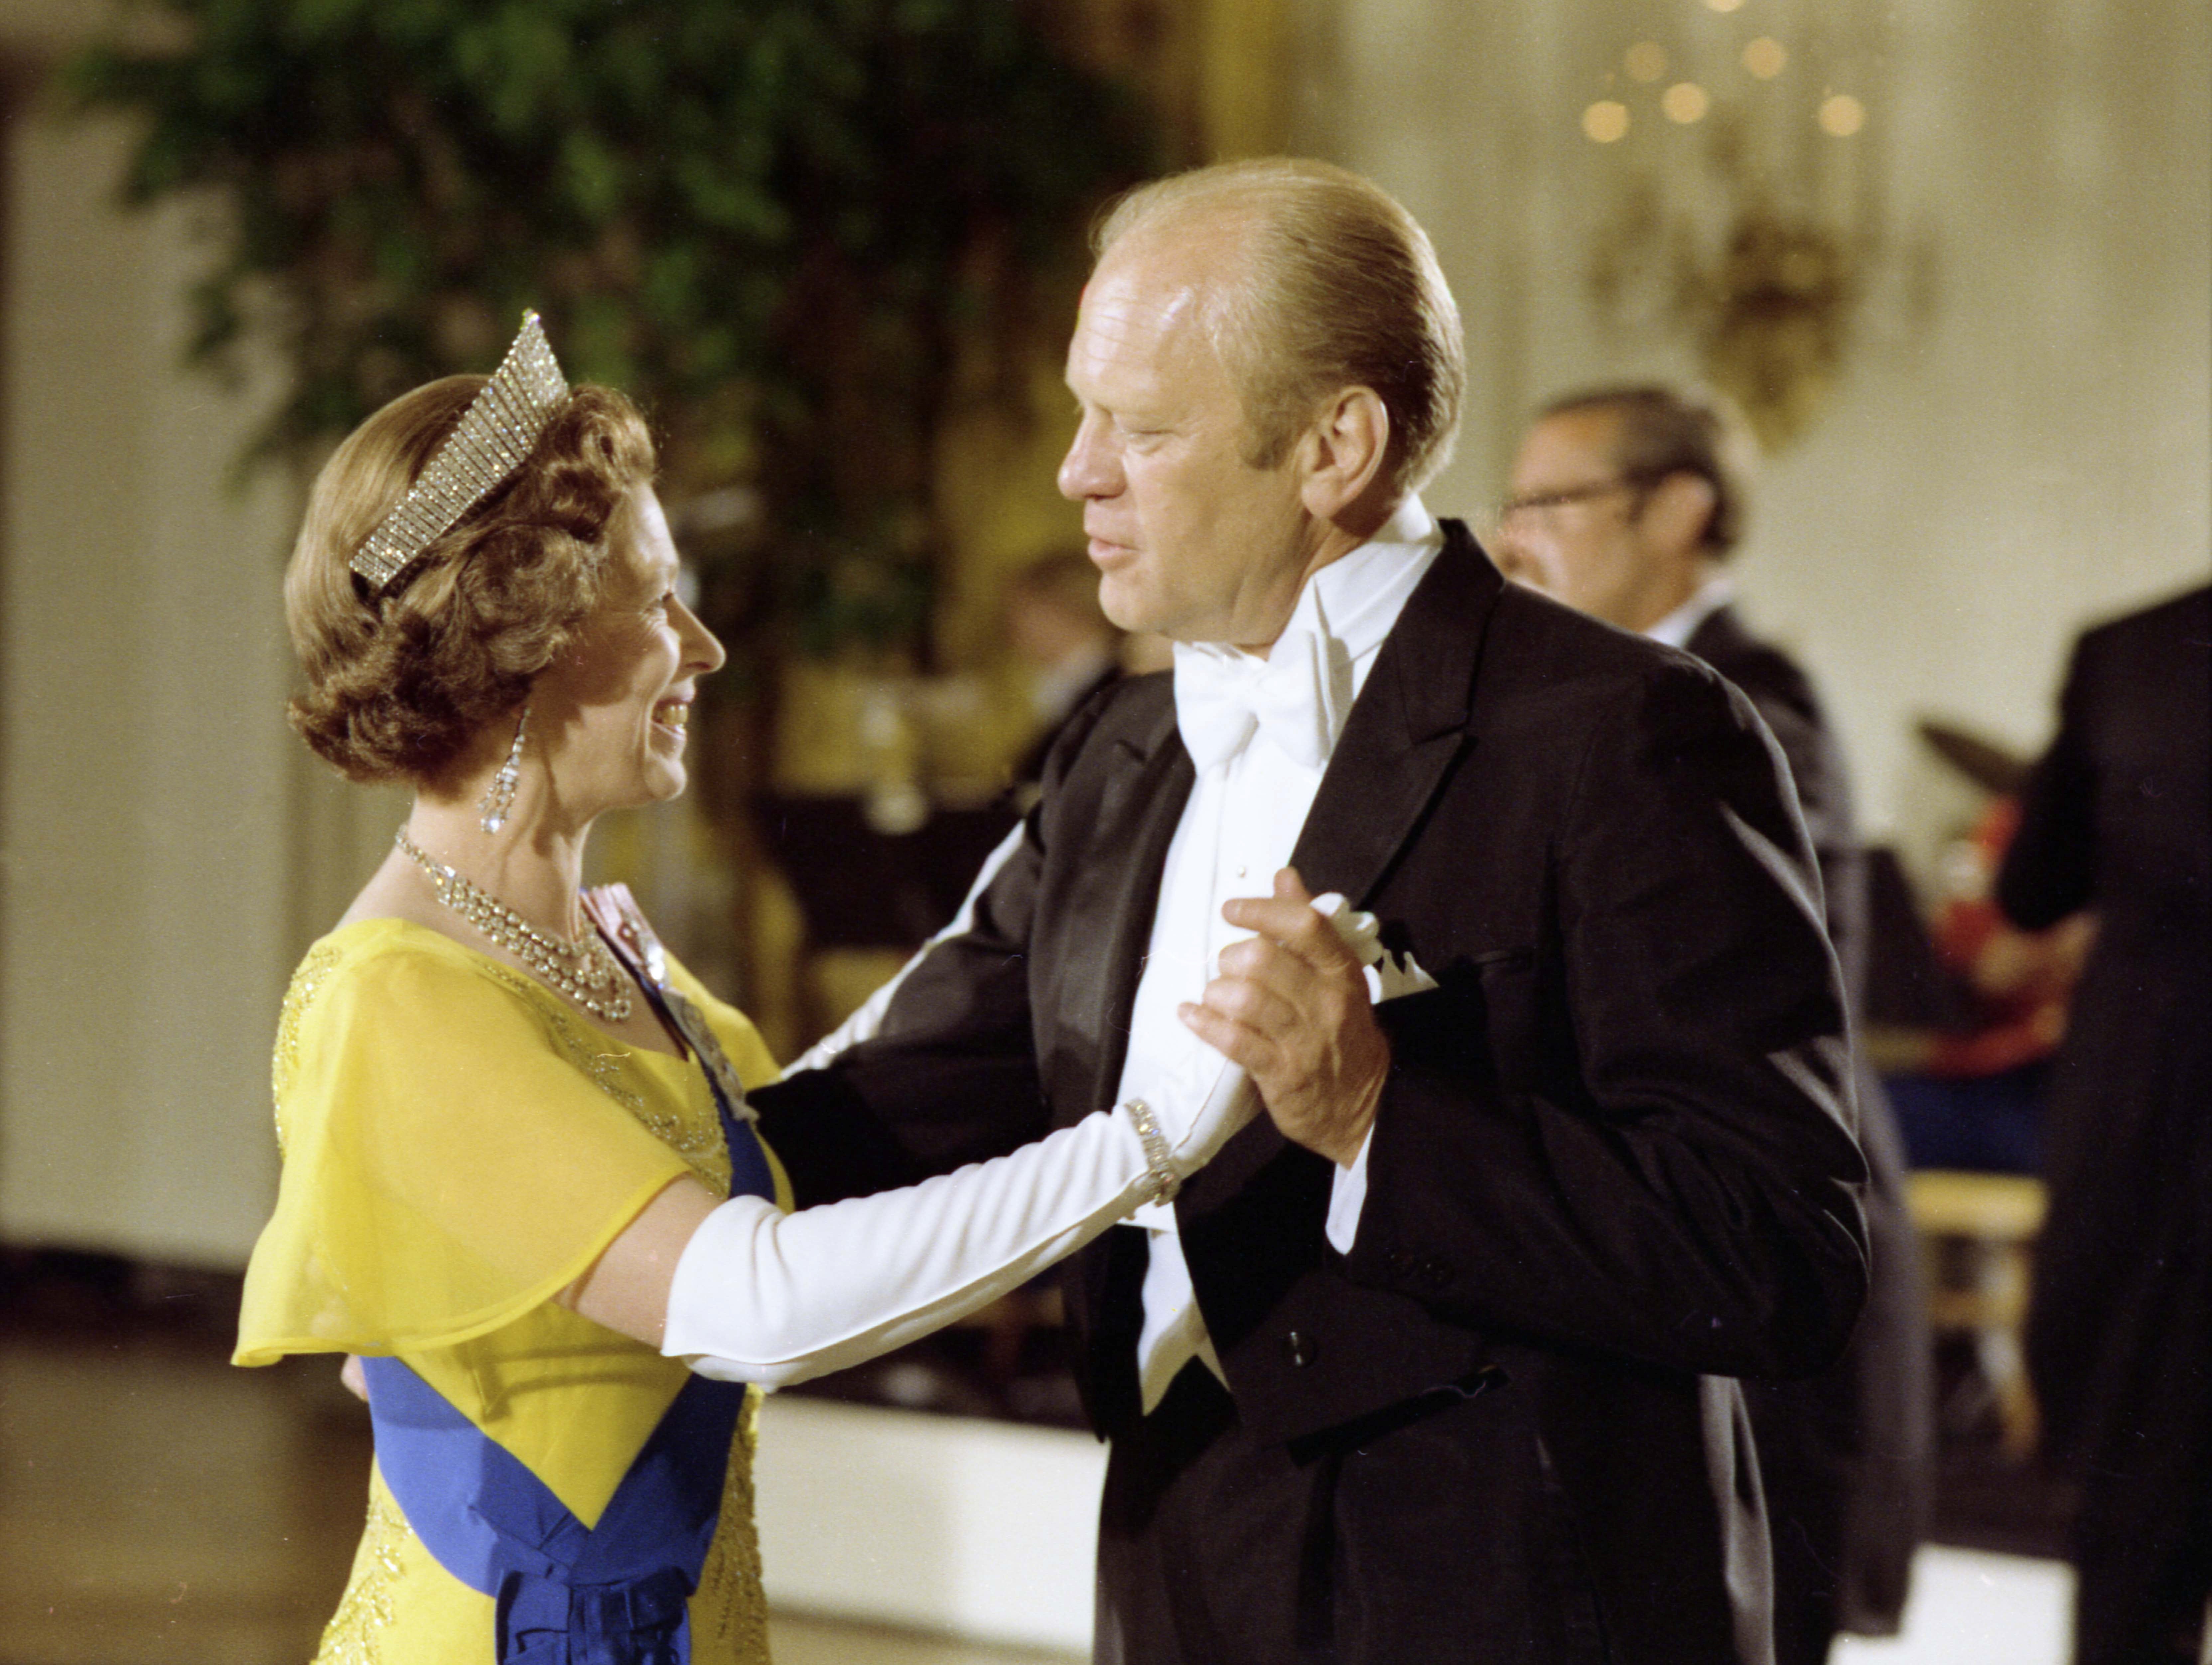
1087, 469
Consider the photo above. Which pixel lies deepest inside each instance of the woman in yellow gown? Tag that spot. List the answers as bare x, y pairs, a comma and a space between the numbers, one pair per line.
519, 1180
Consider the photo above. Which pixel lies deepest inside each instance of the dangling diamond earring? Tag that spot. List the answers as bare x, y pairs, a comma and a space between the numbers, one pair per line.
498, 796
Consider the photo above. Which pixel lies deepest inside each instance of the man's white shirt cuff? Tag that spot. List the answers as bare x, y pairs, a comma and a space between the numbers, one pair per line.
1348, 1195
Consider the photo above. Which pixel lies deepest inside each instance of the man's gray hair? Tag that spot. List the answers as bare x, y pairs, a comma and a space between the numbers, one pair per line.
1659, 431
1336, 287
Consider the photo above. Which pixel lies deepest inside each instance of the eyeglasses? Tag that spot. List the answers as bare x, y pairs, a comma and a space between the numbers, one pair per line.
1540, 502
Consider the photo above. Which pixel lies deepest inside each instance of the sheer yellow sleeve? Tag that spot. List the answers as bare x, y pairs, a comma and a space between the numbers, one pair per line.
455, 1153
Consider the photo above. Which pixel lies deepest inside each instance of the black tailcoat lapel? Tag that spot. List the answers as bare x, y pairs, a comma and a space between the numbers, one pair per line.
1096, 920
1403, 736
1251, 1219
1404, 730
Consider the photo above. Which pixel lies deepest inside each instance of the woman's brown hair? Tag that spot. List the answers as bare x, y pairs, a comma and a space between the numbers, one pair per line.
397, 687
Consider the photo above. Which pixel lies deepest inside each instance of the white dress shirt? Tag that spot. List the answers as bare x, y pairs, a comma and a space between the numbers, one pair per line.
1678, 626
1240, 825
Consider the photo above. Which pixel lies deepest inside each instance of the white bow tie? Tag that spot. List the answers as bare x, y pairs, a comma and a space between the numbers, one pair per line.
1293, 696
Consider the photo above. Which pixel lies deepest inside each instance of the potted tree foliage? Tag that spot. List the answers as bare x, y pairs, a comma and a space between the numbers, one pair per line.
788, 227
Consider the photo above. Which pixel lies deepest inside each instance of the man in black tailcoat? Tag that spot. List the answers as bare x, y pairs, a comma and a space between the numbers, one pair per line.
1626, 504
2118, 818
1435, 1361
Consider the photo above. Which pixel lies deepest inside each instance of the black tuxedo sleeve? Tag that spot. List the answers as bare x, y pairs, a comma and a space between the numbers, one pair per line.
950, 1079
951, 1075
1644, 1149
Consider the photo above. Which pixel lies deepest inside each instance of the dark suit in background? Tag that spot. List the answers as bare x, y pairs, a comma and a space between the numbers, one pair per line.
2118, 817
1609, 1170
1846, 1456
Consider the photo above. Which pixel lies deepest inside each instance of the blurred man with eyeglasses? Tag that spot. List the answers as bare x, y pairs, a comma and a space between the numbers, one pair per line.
1626, 504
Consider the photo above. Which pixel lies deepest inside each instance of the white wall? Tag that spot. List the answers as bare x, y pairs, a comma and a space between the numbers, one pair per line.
2032, 452
959, 1525
143, 811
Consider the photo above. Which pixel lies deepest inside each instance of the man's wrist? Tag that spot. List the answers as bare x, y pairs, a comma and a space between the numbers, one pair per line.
1350, 1140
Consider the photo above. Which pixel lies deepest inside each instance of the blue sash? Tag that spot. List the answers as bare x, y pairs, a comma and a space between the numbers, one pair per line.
566, 1594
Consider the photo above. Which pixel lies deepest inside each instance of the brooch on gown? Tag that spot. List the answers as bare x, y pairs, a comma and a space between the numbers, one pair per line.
623, 923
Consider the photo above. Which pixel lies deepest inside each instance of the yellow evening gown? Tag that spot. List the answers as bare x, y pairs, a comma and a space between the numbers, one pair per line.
459, 1145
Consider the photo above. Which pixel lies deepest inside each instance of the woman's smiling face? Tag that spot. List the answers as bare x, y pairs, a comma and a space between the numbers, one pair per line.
614, 710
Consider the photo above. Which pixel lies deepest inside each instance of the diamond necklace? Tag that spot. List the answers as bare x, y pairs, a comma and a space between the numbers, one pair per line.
584, 971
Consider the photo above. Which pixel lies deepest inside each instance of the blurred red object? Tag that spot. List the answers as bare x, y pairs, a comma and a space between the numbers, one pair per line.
2016, 984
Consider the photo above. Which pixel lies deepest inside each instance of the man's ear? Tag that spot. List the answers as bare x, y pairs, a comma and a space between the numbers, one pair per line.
1342, 454
1677, 511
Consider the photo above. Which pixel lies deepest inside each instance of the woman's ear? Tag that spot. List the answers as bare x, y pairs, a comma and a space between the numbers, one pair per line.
1343, 452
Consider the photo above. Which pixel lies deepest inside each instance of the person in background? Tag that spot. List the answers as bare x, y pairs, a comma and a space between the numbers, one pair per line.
1626, 504
1436, 1363
2118, 818
521, 1184
1071, 649
1970, 1092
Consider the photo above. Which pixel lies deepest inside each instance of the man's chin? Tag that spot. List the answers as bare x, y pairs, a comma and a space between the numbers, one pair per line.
1129, 607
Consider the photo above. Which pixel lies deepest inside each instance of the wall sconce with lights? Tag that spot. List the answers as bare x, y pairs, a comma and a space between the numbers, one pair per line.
1740, 201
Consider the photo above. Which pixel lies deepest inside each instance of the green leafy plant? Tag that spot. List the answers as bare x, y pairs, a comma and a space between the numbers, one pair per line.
790, 227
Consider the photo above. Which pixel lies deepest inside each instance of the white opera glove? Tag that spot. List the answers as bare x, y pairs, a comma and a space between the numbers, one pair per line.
763, 1296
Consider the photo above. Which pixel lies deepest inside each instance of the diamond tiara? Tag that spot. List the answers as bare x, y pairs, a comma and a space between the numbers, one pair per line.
496, 432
